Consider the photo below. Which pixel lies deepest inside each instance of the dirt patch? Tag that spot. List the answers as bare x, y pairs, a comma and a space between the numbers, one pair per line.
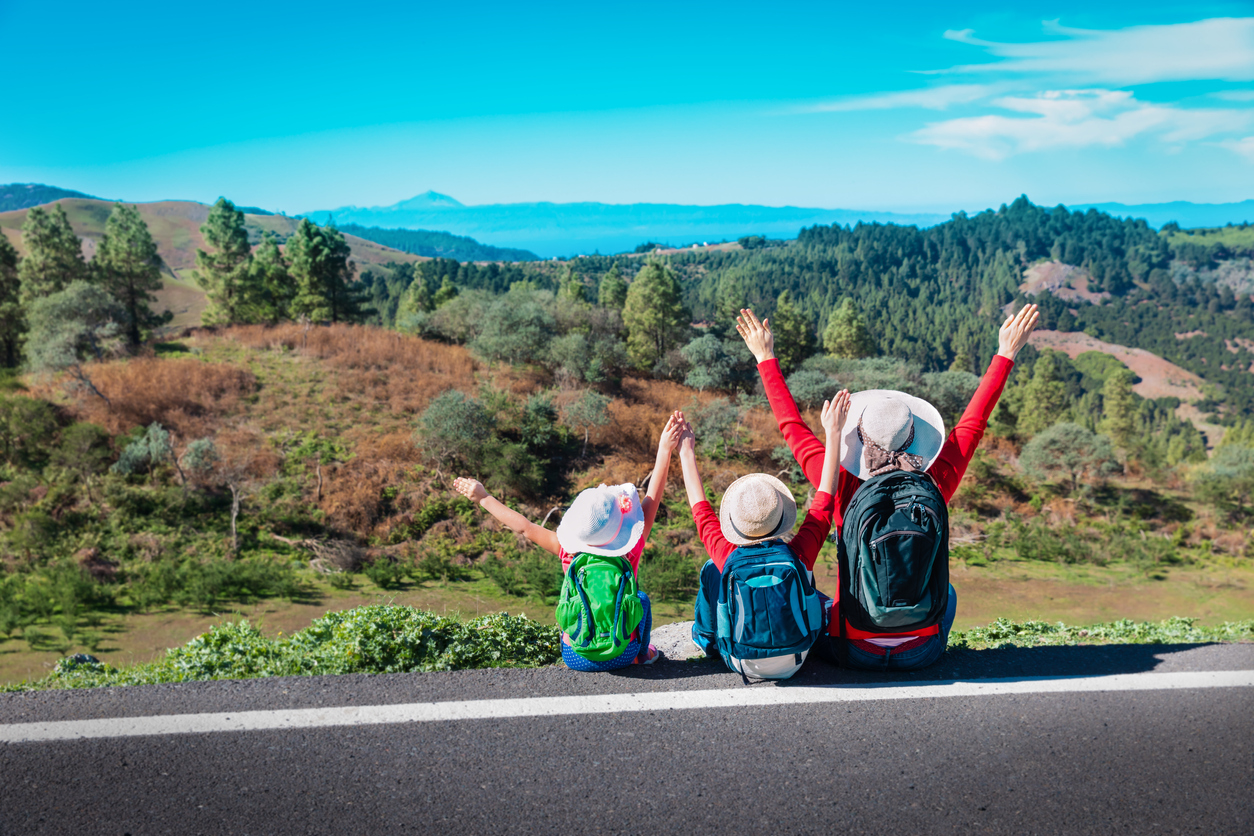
1189, 334
1159, 378
1063, 280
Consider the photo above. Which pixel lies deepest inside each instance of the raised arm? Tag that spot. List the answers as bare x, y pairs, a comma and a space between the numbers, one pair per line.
818, 522
473, 490
708, 528
962, 443
805, 446
661, 469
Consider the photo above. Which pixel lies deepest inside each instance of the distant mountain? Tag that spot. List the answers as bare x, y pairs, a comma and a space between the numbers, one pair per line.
1188, 215
25, 195
565, 229
437, 244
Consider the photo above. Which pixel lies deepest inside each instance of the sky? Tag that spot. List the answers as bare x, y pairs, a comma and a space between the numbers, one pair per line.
890, 106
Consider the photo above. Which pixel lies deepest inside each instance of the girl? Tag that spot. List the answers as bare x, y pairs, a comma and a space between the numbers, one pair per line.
605, 520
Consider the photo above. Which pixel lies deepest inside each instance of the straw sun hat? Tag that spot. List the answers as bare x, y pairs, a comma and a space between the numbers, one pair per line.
895, 422
756, 507
605, 521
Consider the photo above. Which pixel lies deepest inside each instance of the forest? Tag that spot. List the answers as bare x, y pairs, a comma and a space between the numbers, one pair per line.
302, 439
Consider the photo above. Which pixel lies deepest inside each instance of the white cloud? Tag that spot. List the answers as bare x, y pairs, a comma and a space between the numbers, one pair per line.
1215, 49
1075, 119
1244, 147
935, 98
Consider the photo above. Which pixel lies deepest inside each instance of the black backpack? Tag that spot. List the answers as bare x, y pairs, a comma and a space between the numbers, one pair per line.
894, 554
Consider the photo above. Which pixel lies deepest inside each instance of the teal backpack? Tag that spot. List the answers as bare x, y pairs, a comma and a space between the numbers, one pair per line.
599, 608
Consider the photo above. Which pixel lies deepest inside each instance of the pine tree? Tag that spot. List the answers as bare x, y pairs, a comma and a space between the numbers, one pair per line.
271, 281
654, 314
1119, 407
415, 300
54, 254
225, 274
794, 333
129, 268
846, 335
323, 274
12, 319
613, 290
447, 292
1045, 399
570, 285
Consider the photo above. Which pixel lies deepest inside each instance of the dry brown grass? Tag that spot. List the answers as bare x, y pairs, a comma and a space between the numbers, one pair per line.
187, 397
371, 365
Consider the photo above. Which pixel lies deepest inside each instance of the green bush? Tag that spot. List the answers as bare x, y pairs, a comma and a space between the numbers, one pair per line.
1006, 633
371, 639
384, 572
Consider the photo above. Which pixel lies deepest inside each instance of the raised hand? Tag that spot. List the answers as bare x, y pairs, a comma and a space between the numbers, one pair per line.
835, 412
1015, 331
757, 335
671, 432
472, 489
687, 440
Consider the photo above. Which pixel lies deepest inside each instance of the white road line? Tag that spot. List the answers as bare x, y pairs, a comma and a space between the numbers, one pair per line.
741, 697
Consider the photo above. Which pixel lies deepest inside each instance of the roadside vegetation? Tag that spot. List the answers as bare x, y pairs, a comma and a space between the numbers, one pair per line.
305, 440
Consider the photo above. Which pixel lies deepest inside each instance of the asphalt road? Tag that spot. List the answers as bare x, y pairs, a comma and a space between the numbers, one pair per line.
1138, 762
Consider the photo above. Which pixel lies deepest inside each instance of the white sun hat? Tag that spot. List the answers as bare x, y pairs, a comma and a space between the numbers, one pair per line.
606, 521
896, 422
756, 507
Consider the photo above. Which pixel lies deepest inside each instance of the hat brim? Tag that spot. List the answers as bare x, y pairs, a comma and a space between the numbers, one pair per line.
629, 533
787, 519
929, 430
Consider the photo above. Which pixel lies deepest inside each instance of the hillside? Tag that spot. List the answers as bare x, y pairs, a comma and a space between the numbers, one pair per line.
25, 195
437, 244
567, 229
175, 227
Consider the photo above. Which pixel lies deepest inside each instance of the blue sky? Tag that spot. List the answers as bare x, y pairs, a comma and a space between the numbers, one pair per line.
909, 106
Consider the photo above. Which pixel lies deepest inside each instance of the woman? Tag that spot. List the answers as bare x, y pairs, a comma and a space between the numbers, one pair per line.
850, 646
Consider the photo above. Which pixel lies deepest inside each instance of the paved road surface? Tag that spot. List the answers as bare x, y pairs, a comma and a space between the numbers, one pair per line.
1118, 761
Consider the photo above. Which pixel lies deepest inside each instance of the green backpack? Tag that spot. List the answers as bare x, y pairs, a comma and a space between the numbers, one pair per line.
599, 608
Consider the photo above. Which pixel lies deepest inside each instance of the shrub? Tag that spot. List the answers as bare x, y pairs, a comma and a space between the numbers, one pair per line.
516, 328
83, 450
1070, 450
454, 428
371, 639
716, 426
384, 572
26, 427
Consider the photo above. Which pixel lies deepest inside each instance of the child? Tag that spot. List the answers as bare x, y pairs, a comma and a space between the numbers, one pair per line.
763, 627
944, 463
607, 521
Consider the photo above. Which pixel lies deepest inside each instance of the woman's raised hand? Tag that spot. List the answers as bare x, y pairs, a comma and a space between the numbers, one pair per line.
757, 335
835, 412
687, 439
472, 489
1015, 331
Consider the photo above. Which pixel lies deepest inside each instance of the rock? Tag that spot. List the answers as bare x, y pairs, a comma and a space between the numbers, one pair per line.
675, 641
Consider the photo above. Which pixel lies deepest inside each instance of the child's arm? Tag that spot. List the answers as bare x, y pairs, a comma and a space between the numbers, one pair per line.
708, 528
473, 490
835, 412
818, 521
661, 469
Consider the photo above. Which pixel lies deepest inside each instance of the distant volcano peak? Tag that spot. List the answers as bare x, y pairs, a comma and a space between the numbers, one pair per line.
428, 200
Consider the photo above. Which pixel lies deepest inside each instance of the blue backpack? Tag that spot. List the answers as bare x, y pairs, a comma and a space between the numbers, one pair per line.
768, 612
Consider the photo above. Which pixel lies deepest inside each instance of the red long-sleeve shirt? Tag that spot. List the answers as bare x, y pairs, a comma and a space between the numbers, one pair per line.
805, 545
946, 471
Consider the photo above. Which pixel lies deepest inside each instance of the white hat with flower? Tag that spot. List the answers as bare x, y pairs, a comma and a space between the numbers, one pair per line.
606, 520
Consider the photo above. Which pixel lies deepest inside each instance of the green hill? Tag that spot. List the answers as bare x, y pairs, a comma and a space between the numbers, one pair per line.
437, 244
25, 195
